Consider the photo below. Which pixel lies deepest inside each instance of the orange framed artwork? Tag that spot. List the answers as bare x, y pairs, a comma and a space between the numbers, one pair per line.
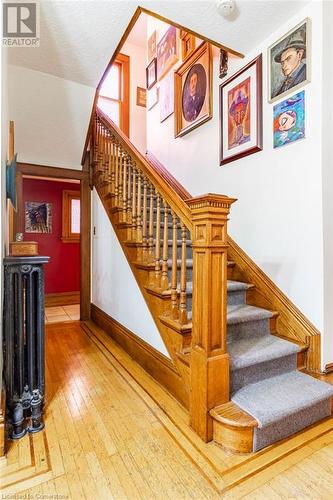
241, 113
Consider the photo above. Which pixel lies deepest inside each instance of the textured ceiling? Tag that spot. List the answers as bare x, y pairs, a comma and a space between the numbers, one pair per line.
77, 38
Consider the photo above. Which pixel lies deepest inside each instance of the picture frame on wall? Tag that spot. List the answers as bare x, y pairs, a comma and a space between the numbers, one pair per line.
167, 52
166, 97
151, 46
289, 61
141, 97
152, 97
193, 91
289, 120
38, 217
187, 44
151, 74
241, 113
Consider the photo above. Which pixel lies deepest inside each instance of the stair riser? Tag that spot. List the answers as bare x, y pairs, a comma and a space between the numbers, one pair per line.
259, 327
254, 373
291, 424
236, 298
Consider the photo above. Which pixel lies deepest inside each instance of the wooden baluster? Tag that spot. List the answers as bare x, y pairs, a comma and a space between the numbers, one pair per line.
113, 166
124, 201
151, 225
158, 241
144, 222
138, 210
129, 191
164, 279
120, 175
134, 203
182, 299
174, 292
116, 176
100, 147
209, 355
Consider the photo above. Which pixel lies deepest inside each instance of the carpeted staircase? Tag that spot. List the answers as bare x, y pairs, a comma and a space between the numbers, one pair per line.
264, 380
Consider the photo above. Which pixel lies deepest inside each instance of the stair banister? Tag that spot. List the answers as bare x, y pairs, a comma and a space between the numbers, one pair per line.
204, 219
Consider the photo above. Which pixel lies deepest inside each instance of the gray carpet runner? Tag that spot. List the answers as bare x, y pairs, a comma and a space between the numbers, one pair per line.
265, 381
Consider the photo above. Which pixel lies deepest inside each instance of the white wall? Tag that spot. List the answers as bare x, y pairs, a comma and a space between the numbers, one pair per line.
114, 289
327, 128
277, 219
51, 117
137, 56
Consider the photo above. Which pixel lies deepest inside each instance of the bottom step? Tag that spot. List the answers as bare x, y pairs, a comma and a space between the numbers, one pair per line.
270, 410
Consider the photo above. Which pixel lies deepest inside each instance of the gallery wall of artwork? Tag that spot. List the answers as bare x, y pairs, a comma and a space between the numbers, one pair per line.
42, 200
273, 227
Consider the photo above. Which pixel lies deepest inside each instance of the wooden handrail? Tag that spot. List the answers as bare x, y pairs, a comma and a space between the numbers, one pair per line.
164, 172
175, 198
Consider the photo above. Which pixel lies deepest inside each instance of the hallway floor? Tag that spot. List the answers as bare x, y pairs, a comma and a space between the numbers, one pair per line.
106, 437
59, 314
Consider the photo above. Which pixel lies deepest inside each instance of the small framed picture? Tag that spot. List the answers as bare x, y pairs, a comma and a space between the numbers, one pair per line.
152, 97
193, 98
166, 97
151, 74
141, 97
289, 120
151, 46
241, 113
167, 52
188, 45
289, 61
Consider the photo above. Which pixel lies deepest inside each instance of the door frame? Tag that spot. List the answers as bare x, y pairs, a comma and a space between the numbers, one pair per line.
85, 222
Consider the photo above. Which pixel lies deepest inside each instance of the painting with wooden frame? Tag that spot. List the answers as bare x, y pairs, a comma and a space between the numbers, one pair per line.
151, 46
193, 91
241, 113
151, 74
167, 52
187, 43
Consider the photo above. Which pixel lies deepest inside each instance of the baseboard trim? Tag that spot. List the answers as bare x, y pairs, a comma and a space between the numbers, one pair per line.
62, 299
155, 363
328, 368
291, 322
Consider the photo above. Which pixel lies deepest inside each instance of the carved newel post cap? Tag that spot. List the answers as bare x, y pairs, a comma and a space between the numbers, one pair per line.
210, 201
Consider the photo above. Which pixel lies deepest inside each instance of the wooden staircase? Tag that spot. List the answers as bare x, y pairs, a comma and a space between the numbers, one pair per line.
187, 269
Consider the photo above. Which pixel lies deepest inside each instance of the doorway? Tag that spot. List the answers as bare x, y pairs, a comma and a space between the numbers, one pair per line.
53, 209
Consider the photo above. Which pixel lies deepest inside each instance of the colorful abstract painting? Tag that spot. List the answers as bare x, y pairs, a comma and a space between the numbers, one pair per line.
239, 114
289, 120
38, 217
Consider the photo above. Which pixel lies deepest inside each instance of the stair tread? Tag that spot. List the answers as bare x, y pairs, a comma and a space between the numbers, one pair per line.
232, 286
231, 414
252, 350
276, 398
242, 313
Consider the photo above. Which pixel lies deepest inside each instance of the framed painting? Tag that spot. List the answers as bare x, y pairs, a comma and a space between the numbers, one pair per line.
152, 97
166, 97
151, 46
141, 97
241, 113
193, 91
38, 217
188, 45
167, 52
151, 75
289, 61
289, 120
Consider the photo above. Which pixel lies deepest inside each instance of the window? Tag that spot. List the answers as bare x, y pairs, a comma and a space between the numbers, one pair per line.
113, 97
70, 216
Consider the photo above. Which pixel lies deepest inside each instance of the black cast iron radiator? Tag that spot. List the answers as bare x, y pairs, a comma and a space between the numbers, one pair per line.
24, 357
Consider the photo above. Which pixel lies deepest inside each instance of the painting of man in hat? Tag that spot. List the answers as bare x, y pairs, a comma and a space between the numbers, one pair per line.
289, 68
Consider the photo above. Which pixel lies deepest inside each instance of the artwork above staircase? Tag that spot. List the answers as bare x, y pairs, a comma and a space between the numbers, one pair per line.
237, 344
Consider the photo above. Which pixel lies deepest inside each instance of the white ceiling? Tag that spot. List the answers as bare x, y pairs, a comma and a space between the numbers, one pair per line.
77, 38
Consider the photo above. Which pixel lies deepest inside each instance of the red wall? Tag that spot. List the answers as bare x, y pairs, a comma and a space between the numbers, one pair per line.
62, 273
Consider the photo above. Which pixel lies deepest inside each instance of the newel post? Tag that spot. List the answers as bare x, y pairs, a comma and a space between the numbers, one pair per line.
209, 367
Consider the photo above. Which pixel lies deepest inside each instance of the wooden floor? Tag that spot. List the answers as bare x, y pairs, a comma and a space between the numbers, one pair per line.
59, 314
106, 437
